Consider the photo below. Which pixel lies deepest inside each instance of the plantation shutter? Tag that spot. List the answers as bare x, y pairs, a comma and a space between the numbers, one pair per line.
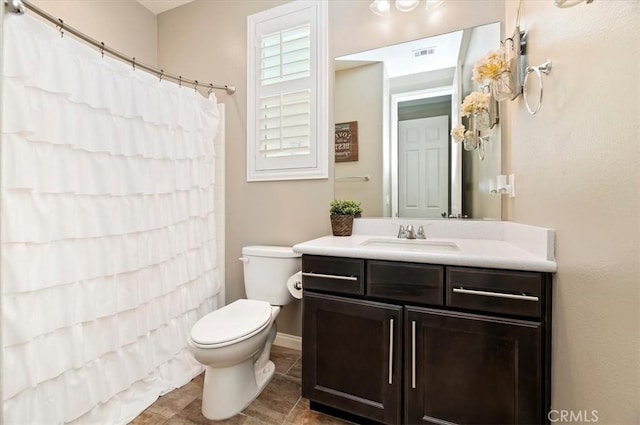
285, 55
283, 134
285, 124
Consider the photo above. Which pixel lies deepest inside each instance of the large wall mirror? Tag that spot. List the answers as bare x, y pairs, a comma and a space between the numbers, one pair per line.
398, 104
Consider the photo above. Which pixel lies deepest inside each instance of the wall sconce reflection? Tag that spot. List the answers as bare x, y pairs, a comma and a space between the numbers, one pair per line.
476, 110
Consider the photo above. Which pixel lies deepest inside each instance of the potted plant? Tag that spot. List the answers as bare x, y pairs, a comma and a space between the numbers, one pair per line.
342, 214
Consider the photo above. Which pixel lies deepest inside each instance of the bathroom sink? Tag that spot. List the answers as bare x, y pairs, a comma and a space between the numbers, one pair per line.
411, 245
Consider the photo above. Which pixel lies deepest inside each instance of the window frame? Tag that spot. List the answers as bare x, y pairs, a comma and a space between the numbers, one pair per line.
303, 166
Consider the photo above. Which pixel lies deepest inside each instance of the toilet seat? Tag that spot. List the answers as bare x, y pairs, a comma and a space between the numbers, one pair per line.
232, 323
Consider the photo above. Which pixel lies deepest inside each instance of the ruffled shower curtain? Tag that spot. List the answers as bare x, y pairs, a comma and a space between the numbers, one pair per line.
107, 230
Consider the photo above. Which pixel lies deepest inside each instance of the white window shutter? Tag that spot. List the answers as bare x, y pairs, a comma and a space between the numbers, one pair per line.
285, 124
287, 79
285, 55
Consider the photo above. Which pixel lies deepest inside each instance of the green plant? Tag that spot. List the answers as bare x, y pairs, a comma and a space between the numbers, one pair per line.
345, 207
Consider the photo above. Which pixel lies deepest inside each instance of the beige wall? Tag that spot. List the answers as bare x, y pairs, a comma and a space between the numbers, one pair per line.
358, 97
576, 164
124, 25
353, 28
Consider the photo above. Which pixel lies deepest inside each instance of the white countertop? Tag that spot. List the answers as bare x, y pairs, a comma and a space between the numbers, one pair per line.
505, 246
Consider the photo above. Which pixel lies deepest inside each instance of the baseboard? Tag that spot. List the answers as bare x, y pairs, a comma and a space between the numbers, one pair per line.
288, 341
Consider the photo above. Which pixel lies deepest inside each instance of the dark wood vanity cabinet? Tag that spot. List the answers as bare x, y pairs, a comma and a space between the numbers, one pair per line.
427, 344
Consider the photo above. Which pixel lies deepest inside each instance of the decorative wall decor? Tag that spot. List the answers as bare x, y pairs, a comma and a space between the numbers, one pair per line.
493, 70
346, 141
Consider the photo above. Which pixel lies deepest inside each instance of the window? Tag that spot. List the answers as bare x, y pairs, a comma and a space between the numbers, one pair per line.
287, 93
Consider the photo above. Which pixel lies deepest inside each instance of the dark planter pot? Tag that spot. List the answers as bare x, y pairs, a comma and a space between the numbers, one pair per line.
341, 225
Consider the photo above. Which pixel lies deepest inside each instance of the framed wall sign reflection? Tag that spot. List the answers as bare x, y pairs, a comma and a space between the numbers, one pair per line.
347, 141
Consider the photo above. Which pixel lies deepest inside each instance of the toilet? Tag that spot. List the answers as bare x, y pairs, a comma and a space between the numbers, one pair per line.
234, 342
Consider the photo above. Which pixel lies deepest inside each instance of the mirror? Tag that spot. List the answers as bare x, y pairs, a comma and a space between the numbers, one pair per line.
394, 110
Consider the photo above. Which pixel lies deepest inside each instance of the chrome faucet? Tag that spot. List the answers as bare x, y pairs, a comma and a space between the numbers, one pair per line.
410, 233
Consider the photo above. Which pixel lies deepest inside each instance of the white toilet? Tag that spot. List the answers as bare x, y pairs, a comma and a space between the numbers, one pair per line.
234, 342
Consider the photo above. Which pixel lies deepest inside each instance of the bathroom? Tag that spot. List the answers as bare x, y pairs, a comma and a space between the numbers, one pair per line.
576, 161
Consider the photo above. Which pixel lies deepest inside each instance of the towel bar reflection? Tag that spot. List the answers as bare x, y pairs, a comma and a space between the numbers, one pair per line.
353, 179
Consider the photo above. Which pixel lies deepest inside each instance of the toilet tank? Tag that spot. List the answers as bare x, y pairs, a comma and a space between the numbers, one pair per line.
266, 270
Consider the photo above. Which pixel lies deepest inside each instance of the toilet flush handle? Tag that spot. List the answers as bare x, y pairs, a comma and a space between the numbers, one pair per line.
244, 260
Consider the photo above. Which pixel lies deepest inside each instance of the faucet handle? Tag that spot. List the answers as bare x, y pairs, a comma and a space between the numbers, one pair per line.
402, 234
411, 234
420, 234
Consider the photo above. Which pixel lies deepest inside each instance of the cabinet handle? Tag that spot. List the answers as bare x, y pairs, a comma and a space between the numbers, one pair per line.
329, 276
495, 294
413, 354
390, 351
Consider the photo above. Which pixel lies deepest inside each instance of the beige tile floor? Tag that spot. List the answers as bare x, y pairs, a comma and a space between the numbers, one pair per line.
279, 403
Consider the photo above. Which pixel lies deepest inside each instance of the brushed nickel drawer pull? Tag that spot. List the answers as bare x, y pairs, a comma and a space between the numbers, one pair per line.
390, 351
413, 354
495, 294
329, 276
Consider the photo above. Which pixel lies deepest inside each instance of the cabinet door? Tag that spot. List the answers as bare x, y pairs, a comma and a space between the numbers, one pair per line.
471, 369
351, 354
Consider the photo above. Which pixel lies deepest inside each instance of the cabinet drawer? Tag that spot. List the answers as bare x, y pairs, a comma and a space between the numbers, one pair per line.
333, 274
495, 291
414, 283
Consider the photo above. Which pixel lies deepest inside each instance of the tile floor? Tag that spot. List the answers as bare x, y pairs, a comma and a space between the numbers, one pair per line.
279, 403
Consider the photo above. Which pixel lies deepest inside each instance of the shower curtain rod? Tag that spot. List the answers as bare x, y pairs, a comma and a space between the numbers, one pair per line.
18, 6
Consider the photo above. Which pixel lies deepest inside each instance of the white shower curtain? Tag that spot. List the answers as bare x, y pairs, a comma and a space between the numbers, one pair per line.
107, 230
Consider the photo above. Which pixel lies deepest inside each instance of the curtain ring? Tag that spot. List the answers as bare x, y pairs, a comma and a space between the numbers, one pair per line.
180, 81
133, 63
61, 27
161, 74
545, 69
210, 90
195, 86
15, 6
102, 49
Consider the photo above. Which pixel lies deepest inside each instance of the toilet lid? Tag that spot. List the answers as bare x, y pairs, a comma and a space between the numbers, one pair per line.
238, 319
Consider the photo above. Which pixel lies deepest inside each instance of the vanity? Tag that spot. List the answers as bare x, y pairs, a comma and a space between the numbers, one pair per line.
444, 330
